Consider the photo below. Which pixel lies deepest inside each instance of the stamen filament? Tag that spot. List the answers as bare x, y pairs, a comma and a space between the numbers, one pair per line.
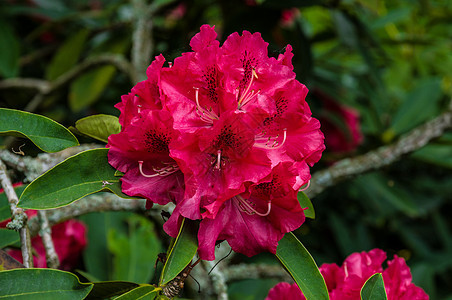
206, 115
244, 97
245, 206
263, 142
158, 171
306, 187
218, 160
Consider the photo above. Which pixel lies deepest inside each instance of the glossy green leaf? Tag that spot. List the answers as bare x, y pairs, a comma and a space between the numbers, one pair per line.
305, 202
67, 55
374, 288
8, 237
419, 105
80, 175
145, 291
134, 253
302, 267
108, 289
42, 284
45, 133
182, 251
9, 50
99, 127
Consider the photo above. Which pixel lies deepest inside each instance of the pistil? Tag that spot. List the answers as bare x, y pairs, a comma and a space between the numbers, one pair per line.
247, 207
248, 95
164, 171
206, 115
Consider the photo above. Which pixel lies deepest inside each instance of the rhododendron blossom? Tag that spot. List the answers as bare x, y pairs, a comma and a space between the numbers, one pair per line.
346, 282
224, 132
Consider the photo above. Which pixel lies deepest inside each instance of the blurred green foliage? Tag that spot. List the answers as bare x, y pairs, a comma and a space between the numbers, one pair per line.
389, 60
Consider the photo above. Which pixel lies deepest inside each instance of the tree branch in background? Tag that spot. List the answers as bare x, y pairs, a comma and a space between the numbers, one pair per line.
46, 235
383, 156
18, 217
142, 40
45, 87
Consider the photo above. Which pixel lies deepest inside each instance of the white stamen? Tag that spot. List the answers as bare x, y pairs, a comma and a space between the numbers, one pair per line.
306, 187
165, 171
271, 143
218, 160
206, 115
246, 97
246, 206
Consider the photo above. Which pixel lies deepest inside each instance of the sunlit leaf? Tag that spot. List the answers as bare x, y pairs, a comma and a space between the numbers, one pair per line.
374, 288
45, 133
42, 284
80, 175
99, 127
182, 252
302, 267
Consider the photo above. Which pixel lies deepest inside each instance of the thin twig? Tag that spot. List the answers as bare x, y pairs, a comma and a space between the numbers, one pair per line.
18, 217
142, 40
254, 271
46, 235
218, 280
383, 156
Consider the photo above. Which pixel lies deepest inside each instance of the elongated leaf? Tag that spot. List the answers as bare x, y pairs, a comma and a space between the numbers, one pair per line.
419, 105
437, 154
374, 288
302, 267
8, 237
182, 251
305, 202
99, 127
135, 253
45, 133
108, 289
9, 50
42, 284
67, 55
145, 291
86, 89
80, 175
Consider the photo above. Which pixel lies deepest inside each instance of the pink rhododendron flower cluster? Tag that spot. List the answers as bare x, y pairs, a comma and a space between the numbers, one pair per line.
69, 239
225, 133
345, 282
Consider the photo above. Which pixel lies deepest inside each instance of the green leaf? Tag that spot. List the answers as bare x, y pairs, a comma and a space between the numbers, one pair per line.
108, 289
45, 133
305, 202
374, 288
8, 237
42, 284
419, 105
99, 127
436, 154
67, 55
182, 251
134, 254
98, 260
80, 175
9, 50
86, 89
145, 291
302, 267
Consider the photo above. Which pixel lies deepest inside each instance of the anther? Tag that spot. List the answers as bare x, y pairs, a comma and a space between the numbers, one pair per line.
245, 206
246, 97
158, 171
264, 142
